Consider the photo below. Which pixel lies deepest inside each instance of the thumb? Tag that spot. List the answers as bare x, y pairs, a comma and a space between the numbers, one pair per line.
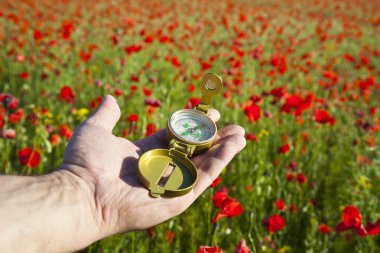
107, 114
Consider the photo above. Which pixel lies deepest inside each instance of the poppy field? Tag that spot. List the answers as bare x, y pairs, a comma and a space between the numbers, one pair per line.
301, 77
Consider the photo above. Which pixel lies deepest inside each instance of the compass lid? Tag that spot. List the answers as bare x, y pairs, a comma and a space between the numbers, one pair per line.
167, 173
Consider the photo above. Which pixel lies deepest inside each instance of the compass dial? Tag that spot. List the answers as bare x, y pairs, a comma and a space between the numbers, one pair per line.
192, 126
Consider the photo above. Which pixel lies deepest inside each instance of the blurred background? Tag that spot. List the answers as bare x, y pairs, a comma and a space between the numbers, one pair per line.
302, 78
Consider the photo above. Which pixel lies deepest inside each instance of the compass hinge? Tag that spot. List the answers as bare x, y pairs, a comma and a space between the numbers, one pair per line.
202, 108
181, 149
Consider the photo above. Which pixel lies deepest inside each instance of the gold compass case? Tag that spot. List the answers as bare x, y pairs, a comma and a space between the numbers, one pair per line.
170, 172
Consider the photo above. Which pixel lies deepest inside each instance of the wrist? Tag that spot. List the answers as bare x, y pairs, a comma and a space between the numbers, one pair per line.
54, 212
77, 195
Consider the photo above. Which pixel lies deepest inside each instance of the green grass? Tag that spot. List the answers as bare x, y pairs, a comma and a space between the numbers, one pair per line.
328, 159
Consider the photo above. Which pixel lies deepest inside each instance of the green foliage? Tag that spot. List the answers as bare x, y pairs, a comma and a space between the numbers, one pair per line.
338, 172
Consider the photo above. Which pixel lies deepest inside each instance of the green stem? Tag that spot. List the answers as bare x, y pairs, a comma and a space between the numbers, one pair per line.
133, 242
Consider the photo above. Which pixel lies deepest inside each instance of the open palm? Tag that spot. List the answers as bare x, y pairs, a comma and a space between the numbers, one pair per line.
109, 164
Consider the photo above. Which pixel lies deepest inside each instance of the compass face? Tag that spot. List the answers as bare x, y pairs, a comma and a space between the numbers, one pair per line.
192, 126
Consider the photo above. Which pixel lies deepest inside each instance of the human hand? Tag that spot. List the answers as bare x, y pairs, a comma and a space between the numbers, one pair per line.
109, 166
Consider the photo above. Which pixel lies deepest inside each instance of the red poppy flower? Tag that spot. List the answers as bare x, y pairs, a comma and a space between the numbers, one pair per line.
114, 40
1, 121
301, 178
193, 102
277, 92
364, 60
209, 249
135, 78
242, 247
284, 149
29, 157
275, 223
230, 208
133, 88
37, 35
351, 219
150, 232
33, 118
372, 111
331, 75
52, 43
124, 133
349, 57
3, 97
24, 75
85, 56
252, 112
152, 102
251, 137
280, 205
373, 229
175, 62
169, 236
95, 102
133, 118
118, 92
149, 39
147, 92
255, 98
67, 28
205, 65
67, 94
163, 39
279, 62
324, 229
292, 166
226, 94
150, 129
54, 139
237, 81
44, 111
216, 182
293, 101
365, 84
361, 231
191, 87
242, 17
323, 117
17, 116
289, 177
132, 49
257, 52
65, 131
297, 104
218, 198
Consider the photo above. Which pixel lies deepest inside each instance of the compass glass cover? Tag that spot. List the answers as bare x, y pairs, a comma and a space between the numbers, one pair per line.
192, 126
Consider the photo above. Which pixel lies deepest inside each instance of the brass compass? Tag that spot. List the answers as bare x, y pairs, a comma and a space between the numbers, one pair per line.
170, 172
